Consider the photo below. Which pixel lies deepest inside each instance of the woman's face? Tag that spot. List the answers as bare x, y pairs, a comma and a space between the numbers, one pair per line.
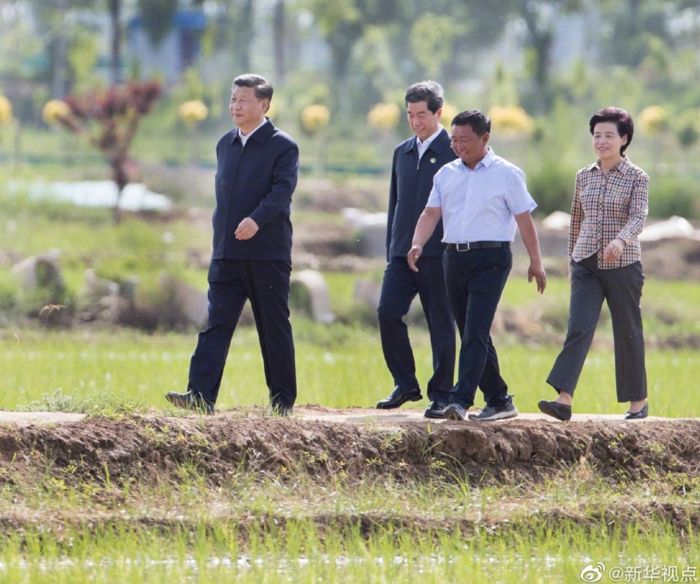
607, 140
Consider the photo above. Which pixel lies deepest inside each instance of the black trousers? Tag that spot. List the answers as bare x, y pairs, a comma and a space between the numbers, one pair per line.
400, 287
622, 289
475, 281
266, 284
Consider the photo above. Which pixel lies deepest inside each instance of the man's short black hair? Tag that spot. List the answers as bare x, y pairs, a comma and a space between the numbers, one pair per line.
619, 117
478, 120
263, 88
428, 91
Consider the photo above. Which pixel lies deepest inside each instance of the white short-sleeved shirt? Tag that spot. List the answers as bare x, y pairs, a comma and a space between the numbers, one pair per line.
480, 204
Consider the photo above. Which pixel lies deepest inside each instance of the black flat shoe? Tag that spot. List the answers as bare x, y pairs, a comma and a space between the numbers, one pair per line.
555, 409
191, 401
640, 415
397, 398
435, 410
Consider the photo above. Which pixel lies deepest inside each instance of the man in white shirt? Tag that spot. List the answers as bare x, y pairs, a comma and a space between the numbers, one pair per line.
481, 199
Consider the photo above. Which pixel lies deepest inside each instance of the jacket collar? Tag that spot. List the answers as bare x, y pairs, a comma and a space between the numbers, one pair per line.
260, 135
442, 141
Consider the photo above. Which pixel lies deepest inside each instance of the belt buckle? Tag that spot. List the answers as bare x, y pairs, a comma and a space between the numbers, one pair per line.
466, 246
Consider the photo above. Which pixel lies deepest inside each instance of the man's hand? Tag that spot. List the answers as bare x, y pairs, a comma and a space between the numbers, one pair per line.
246, 229
536, 271
413, 255
613, 250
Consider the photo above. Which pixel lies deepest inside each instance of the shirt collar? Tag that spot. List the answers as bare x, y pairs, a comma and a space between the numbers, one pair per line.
430, 139
486, 161
624, 166
237, 131
438, 142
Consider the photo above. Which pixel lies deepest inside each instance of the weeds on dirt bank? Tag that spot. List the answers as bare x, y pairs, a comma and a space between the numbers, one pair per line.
240, 498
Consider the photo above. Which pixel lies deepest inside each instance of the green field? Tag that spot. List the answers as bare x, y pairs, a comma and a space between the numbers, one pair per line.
58, 525
138, 369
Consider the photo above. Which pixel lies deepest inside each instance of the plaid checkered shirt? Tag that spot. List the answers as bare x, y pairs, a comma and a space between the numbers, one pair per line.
608, 206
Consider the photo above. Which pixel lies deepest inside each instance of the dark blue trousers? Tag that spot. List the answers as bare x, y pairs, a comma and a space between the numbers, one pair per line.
475, 281
622, 288
400, 287
266, 284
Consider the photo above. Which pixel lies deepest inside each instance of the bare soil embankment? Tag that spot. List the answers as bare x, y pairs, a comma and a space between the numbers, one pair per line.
115, 456
148, 446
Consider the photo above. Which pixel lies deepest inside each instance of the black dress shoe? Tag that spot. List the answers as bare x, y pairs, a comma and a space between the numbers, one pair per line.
397, 398
435, 410
455, 412
555, 409
191, 401
281, 410
640, 415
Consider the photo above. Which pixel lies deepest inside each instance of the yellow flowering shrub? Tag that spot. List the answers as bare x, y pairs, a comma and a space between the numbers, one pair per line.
653, 119
273, 111
5, 110
193, 112
384, 116
448, 113
54, 110
510, 121
315, 117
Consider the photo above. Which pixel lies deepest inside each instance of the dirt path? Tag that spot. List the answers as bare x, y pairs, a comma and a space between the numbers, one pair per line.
318, 413
322, 441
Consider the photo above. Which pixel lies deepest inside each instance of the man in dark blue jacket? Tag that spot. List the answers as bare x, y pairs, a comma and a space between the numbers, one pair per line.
415, 163
256, 174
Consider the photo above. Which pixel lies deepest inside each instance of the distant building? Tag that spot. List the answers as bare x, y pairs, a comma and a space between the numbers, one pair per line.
179, 49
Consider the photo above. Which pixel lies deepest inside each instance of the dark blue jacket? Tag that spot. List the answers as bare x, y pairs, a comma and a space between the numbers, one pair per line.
255, 181
411, 184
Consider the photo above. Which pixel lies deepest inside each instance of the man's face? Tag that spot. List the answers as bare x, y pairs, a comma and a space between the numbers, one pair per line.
468, 146
423, 122
247, 111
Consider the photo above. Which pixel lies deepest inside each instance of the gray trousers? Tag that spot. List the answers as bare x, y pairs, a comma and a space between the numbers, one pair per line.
622, 289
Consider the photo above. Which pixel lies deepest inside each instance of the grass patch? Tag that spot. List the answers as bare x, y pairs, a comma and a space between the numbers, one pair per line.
336, 366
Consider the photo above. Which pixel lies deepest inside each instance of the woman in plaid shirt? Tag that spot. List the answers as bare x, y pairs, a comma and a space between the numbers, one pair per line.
607, 214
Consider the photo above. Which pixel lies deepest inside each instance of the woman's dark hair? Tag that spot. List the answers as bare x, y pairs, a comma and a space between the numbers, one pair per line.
619, 117
478, 120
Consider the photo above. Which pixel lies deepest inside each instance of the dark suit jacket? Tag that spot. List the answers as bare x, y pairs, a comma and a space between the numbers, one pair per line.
255, 181
411, 184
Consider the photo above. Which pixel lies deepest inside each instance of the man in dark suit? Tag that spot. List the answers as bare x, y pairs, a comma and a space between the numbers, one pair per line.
257, 167
415, 163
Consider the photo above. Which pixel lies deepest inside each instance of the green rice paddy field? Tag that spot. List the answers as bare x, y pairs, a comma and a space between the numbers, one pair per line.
571, 525
260, 528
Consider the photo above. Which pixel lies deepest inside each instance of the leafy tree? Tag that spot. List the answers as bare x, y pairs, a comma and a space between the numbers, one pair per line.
432, 38
108, 121
115, 18
157, 18
540, 17
342, 24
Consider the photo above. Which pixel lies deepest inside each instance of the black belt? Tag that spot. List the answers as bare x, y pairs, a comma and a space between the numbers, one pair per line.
476, 245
